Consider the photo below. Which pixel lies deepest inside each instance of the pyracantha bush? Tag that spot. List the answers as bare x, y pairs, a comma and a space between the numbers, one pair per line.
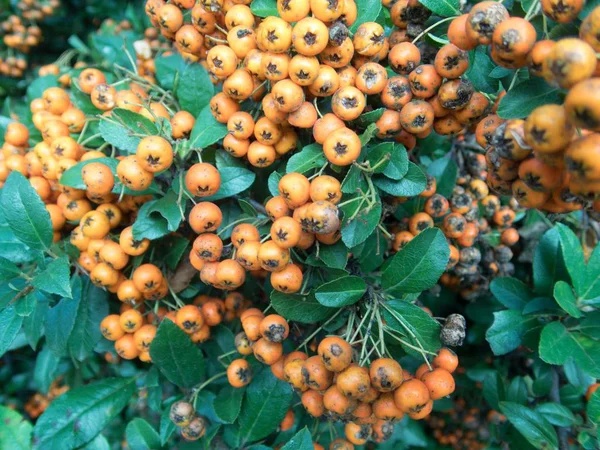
302, 225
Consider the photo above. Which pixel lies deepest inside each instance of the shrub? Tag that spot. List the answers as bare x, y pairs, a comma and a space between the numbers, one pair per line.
303, 225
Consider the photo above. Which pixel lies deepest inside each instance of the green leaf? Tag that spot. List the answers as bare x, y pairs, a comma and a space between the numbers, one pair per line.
557, 345
575, 262
110, 48
556, 414
60, 320
588, 7
590, 326
33, 324
83, 101
77, 416
548, 263
424, 330
12, 248
300, 308
352, 180
228, 404
592, 279
37, 87
532, 425
10, 324
508, 330
310, 157
176, 356
98, 443
341, 292
398, 165
234, 180
54, 279
26, 305
46, 366
517, 391
266, 403
15, 432
25, 212
168, 68
511, 292
195, 89
92, 308
206, 130
141, 436
8, 269
445, 172
366, 119
419, 265
480, 66
124, 133
264, 8
413, 183
362, 226
564, 296
593, 408
167, 427
221, 342
168, 208
380, 155
334, 256
494, 389
367, 11
370, 253
175, 248
273, 183
302, 440
148, 225
443, 8
521, 100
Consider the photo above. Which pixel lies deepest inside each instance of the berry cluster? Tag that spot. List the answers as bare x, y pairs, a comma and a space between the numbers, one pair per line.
549, 160
479, 228
20, 33
38, 402
367, 399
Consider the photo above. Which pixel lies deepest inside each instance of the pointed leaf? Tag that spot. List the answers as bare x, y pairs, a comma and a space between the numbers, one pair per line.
141, 436
206, 130
77, 416
266, 402
424, 330
228, 404
10, 324
15, 432
511, 292
413, 183
341, 292
531, 425
54, 279
419, 265
176, 356
575, 263
564, 296
310, 157
508, 330
302, 440
25, 212
194, 89
557, 345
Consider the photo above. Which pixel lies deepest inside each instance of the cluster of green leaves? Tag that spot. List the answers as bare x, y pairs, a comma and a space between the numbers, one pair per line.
558, 319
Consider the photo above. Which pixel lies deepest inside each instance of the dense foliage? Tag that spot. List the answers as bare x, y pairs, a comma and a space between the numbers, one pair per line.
300, 224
